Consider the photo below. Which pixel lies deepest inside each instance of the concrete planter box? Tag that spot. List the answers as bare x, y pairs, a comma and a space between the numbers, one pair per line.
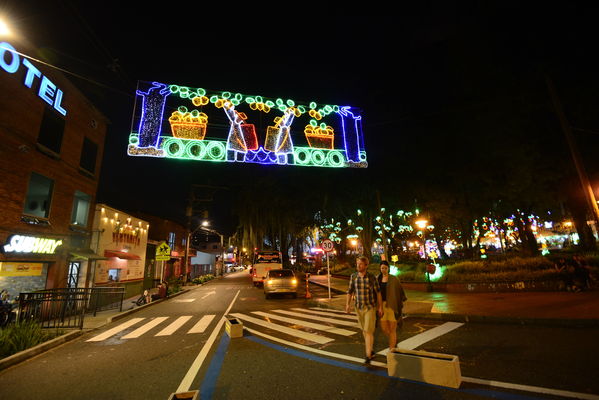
234, 327
191, 395
434, 368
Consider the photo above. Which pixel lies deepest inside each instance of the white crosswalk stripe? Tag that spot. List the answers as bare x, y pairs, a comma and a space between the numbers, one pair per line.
115, 330
306, 324
144, 328
202, 324
319, 318
284, 329
172, 328
329, 314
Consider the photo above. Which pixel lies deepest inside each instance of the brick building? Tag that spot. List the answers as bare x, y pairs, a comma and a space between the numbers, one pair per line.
51, 145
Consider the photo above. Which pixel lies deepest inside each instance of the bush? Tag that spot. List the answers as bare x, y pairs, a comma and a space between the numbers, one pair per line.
203, 278
23, 335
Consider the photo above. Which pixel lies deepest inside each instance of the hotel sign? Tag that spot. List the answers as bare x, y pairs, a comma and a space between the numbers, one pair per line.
11, 62
31, 244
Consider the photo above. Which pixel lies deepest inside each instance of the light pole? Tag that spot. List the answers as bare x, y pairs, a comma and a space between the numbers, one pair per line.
423, 225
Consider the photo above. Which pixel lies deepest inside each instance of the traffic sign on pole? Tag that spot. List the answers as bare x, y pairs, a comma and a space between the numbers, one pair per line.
327, 245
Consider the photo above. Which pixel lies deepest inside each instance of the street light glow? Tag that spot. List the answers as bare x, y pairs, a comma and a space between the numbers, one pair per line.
4, 30
421, 223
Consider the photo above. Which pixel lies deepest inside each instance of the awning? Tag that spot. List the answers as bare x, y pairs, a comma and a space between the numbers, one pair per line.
121, 254
85, 255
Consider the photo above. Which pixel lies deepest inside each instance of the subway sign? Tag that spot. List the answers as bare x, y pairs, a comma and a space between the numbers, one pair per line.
31, 244
11, 62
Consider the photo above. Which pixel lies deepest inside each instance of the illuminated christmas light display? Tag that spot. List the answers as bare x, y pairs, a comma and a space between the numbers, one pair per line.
331, 136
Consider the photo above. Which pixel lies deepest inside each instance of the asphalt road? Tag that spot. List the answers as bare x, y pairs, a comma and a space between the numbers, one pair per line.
174, 345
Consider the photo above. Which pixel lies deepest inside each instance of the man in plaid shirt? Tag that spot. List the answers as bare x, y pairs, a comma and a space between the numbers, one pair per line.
364, 287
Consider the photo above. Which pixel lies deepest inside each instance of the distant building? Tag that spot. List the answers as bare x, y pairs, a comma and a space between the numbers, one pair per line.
52, 141
173, 234
121, 239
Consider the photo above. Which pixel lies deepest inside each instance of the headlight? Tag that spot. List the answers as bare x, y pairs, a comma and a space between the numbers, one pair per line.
294, 281
270, 282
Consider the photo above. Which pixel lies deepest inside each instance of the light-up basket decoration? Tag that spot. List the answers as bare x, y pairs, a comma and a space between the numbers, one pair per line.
320, 137
188, 125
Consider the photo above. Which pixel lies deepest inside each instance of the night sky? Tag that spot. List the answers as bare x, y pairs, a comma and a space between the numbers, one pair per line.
436, 84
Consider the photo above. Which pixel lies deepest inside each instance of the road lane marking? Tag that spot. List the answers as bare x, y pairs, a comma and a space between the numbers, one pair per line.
115, 330
329, 314
483, 382
199, 360
528, 388
183, 300
169, 330
427, 336
322, 319
202, 324
307, 324
289, 331
208, 294
312, 350
144, 328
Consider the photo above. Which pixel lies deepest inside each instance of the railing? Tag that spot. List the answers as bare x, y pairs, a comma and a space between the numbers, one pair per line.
66, 308
106, 298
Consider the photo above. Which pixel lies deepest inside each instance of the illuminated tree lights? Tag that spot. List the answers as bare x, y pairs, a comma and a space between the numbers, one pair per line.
189, 129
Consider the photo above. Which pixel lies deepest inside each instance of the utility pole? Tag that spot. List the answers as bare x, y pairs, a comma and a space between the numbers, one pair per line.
199, 196
582, 175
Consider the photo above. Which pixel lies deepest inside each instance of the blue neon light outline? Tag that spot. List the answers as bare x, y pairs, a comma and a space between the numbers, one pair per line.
165, 92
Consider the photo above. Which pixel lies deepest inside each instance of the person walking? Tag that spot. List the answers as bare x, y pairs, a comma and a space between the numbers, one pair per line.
364, 288
393, 297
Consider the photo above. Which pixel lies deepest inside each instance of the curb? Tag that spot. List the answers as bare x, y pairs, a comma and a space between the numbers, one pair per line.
338, 291
136, 309
39, 349
490, 319
50, 344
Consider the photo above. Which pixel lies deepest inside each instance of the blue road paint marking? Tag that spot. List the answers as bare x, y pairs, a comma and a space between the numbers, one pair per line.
480, 392
209, 382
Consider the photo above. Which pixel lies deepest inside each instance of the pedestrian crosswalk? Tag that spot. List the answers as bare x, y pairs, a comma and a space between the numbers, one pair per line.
307, 325
151, 323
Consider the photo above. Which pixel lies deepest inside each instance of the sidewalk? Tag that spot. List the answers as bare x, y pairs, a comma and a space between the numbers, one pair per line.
560, 308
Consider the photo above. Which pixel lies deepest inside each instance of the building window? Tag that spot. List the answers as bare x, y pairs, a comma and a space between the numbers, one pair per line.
171, 240
89, 152
51, 130
80, 212
39, 195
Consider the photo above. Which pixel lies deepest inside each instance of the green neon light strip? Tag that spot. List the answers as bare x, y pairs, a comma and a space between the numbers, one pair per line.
216, 151
309, 157
201, 150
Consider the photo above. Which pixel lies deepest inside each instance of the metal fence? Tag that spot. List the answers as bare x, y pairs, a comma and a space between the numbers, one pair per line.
66, 308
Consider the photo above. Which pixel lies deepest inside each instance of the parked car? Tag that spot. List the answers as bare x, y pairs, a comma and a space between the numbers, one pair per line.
280, 281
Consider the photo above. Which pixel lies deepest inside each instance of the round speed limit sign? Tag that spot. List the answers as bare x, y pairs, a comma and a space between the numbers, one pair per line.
327, 245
